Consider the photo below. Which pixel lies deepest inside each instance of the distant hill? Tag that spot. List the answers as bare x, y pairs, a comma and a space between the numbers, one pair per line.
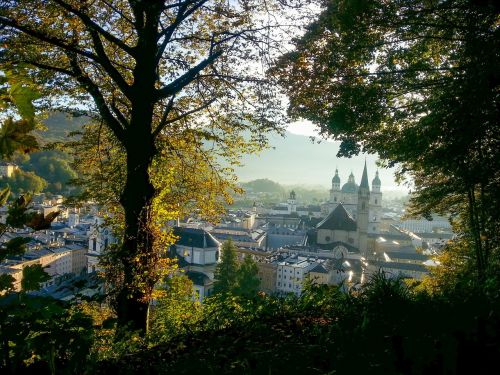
59, 126
263, 186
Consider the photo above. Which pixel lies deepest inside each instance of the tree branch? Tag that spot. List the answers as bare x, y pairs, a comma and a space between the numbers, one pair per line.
99, 100
175, 86
162, 125
46, 38
108, 65
91, 25
182, 14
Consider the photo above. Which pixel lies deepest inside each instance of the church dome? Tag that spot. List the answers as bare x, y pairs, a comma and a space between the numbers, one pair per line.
376, 180
336, 178
350, 187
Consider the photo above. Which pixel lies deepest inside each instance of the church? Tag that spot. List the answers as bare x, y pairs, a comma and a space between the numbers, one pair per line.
351, 213
349, 195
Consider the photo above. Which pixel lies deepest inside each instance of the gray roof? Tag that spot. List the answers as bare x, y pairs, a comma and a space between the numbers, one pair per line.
280, 208
198, 278
194, 237
401, 266
338, 219
407, 256
319, 269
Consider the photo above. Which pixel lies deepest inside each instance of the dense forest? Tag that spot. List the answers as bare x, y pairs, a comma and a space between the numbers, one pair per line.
415, 81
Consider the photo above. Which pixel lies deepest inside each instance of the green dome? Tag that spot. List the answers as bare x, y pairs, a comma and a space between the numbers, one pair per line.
376, 180
336, 178
350, 187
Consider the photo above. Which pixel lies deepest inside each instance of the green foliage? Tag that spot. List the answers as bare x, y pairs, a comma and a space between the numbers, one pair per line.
233, 279
52, 166
6, 282
226, 272
16, 213
14, 136
33, 277
13, 247
248, 282
4, 195
22, 92
22, 182
42, 335
175, 312
386, 327
17, 93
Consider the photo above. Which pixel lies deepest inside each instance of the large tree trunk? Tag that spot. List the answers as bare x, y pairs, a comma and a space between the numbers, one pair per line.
138, 250
138, 242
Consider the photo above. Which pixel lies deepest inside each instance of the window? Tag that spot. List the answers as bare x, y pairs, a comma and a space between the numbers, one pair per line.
279, 284
327, 238
289, 285
376, 201
335, 199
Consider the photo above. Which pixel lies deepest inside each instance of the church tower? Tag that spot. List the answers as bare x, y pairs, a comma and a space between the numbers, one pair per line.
375, 205
292, 203
363, 213
335, 191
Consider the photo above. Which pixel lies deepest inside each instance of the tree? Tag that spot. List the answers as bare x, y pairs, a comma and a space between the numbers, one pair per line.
226, 272
175, 311
33, 277
23, 182
152, 70
415, 81
248, 281
53, 166
17, 93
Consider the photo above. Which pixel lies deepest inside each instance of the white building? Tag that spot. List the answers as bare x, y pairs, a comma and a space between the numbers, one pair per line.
198, 252
100, 237
7, 169
291, 274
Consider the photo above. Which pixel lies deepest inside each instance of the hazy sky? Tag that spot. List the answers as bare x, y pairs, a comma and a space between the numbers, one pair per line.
295, 159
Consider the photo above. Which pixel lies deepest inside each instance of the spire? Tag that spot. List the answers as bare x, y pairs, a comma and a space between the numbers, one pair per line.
364, 179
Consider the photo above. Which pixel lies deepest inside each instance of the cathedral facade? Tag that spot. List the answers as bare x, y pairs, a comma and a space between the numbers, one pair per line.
349, 194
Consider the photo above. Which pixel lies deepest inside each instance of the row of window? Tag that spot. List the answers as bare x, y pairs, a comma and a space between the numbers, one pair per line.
289, 285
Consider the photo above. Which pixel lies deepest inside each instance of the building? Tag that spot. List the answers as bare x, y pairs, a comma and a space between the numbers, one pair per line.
7, 169
291, 274
349, 195
198, 253
339, 231
59, 262
249, 238
279, 236
100, 237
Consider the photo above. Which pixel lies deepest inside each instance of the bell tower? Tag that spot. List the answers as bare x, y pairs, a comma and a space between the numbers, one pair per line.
363, 213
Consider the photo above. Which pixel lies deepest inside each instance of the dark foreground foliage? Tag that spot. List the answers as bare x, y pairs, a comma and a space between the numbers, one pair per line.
386, 328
